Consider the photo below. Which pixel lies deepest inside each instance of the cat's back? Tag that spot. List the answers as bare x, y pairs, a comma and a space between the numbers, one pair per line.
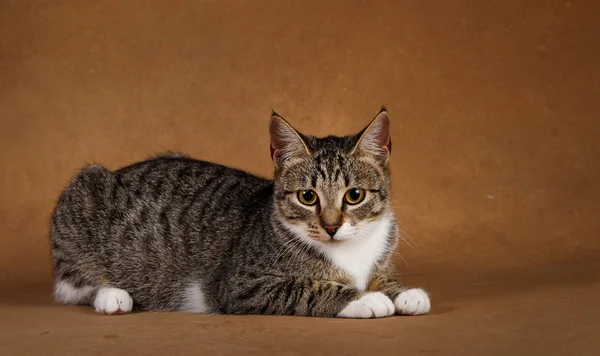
167, 188
173, 174
181, 191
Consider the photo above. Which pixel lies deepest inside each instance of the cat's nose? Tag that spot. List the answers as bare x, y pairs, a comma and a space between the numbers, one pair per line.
331, 229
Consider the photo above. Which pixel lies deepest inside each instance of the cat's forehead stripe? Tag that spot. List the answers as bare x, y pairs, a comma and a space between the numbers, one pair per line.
341, 160
323, 172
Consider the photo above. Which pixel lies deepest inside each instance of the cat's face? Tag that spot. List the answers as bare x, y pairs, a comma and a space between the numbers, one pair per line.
332, 189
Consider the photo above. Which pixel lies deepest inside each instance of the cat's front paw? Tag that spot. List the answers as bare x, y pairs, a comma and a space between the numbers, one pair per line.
370, 305
413, 301
113, 301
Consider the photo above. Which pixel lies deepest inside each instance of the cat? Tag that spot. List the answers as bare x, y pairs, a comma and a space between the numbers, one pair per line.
172, 233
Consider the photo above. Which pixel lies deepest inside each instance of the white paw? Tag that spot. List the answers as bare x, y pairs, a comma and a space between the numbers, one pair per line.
370, 305
113, 301
414, 301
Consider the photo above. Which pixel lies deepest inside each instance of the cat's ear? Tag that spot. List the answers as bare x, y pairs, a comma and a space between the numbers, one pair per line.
375, 140
286, 142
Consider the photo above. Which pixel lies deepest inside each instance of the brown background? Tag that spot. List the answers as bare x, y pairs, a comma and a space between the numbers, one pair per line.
494, 106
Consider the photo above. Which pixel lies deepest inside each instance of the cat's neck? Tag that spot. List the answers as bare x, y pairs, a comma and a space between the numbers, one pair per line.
358, 256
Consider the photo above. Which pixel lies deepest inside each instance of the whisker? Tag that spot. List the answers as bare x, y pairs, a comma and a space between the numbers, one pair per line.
260, 203
405, 235
406, 263
300, 247
286, 246
410, 245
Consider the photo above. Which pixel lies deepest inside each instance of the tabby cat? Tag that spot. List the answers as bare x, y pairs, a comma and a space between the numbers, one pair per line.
177, 234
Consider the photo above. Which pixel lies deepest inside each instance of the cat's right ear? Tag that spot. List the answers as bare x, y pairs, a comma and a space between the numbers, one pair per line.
286, 142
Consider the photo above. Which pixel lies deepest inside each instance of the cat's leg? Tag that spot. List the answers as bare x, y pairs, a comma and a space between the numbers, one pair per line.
105, 300
369, 305
407, 301
277, 295
413, 301
113, 301
68, 293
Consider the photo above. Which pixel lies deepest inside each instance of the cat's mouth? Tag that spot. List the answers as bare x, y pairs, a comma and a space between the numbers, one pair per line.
335, 239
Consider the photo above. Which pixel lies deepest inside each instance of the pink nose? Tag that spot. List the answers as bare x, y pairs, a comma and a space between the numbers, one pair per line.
331, 229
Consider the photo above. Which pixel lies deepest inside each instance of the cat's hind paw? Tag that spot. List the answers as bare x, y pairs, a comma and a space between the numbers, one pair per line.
413, 301
113, 301
370, 305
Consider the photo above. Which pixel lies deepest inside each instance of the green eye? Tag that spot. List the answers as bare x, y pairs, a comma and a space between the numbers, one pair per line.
354, 196
307, 197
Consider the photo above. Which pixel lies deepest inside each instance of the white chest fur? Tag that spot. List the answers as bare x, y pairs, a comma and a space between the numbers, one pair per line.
358, 255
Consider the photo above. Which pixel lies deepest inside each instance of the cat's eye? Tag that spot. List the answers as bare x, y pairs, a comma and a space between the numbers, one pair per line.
354, 196
307, 197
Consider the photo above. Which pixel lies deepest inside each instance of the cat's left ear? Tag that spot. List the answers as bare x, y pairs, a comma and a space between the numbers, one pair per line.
375, 139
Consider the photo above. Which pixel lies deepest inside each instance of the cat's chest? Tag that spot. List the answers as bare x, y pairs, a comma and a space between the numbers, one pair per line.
357, 258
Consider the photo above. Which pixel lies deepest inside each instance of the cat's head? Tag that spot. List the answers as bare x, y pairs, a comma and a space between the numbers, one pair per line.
333, 189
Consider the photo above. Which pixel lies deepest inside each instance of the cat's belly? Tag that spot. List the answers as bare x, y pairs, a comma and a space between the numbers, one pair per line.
193, 299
